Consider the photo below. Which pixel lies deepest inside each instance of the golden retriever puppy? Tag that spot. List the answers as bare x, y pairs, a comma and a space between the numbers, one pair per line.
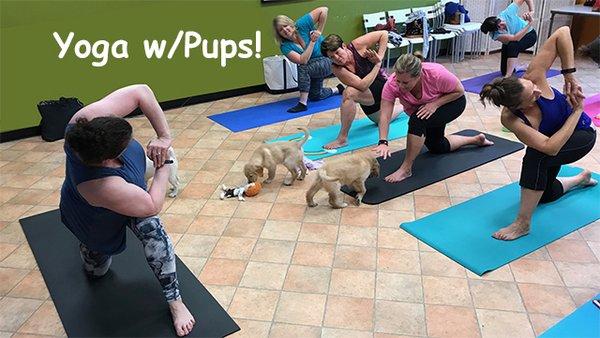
352, 170
269, 155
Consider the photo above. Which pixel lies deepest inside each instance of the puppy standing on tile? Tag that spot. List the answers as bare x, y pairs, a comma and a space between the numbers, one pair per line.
352, 170
173, 177
269, 155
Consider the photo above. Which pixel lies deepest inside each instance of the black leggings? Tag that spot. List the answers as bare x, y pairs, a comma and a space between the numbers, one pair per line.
433, 128
539, 170
513, 48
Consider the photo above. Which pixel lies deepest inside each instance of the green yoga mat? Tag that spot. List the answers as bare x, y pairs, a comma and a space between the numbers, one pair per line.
363, 133
583, 323
464, 232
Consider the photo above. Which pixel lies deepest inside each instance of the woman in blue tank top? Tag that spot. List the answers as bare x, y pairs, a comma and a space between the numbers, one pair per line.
104, 191
552, 125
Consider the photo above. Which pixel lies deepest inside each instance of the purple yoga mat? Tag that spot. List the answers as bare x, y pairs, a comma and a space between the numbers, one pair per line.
591, 106
474, 85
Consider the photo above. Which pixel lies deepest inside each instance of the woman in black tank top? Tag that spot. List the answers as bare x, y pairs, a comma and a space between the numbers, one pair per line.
359, 68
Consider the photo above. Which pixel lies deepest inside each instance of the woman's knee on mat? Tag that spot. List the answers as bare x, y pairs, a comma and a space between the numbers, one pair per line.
437, 146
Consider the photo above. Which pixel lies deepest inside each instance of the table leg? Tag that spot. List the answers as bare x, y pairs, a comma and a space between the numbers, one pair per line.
551, 23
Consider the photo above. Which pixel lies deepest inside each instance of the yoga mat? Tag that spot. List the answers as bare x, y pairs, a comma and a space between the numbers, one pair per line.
430, 168
591, 106
582, 323
126, 302
363, 133
272, 112
474, 84
464, 232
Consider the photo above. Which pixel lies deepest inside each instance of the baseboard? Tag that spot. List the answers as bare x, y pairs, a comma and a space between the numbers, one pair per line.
12, 135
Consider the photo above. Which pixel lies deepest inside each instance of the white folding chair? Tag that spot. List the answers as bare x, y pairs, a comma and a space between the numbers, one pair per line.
463, 30
401, 15
431, 13
373, 19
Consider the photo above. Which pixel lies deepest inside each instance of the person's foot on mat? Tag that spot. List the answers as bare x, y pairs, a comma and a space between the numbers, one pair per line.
337, 143
398, 175
483, 142
297, 108
340, 87
586, 179
513, 231
182, 318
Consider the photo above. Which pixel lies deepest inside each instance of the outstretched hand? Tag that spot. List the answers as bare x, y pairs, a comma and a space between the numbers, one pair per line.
383, 151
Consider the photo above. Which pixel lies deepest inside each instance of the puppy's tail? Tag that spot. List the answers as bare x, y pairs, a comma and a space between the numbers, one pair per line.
306, 136
324, 176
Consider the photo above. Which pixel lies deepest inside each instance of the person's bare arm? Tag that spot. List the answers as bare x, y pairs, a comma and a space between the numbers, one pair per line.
536, 140
302, 59
125, 100
368, 40
428, 109
506, 38
529, 4
114, 193
319, 16
560, 45
350, 79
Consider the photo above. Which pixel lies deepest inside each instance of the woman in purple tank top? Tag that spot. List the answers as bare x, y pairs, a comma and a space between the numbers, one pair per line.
551, 124
359, 67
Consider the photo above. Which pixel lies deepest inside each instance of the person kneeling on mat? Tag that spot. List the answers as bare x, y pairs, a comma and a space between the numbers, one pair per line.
358, 67
300, 42
104, 189
552, 125
515, 34
432, 96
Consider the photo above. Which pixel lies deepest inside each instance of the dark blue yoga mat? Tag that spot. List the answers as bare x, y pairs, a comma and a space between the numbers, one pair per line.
464, 232
269, 113
583, 323
474, 85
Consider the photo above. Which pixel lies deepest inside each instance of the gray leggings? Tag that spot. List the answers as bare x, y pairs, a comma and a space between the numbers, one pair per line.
311, 76
157, 248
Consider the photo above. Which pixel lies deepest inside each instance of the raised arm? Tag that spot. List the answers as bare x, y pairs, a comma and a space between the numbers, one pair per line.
121, 103
506, 38
371, 39
529, 4
319, 16
350, 79
560, 45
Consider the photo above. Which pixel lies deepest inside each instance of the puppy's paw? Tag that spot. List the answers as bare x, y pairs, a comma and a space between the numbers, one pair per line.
358, 201
288, 183
313, 204
173, 194
340, 206
267, 181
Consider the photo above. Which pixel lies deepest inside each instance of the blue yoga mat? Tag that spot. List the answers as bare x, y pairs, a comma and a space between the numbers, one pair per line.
269, 113
474, 85
464, 232
583, 323
363, 133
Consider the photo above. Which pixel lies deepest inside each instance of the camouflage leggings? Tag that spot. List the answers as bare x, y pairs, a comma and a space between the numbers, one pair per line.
157, 248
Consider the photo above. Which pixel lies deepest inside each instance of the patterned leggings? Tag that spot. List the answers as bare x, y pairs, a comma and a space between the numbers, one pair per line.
157, 248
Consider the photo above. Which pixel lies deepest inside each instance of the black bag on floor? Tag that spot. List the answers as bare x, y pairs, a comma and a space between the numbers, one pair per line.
55, 116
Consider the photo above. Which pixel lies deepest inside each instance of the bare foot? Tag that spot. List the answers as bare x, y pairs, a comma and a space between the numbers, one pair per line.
513, 231
337, 143
482, 141
398, 175
182, 318
586, 179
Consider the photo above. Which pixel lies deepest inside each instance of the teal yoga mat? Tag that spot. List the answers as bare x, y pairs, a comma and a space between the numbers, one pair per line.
464, 232
363, 133
583, 323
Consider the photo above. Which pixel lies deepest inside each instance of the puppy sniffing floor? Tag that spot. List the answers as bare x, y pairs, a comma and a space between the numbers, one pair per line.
352, 170
269, 155
173, 177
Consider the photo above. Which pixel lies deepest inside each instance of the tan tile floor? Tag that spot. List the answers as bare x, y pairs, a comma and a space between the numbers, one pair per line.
283, 270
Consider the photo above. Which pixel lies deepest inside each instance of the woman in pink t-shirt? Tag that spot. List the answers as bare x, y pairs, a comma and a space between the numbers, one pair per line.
432, 97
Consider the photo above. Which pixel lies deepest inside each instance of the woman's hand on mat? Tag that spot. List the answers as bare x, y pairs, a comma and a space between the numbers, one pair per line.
426, 110
372, 56
314, 35
158, 151
383, 151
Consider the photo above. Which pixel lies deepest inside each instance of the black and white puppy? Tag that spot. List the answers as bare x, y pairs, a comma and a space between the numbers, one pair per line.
173, 177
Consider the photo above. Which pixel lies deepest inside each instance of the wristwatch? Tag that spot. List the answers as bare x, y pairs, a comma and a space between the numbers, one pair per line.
382, 142
568, 70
